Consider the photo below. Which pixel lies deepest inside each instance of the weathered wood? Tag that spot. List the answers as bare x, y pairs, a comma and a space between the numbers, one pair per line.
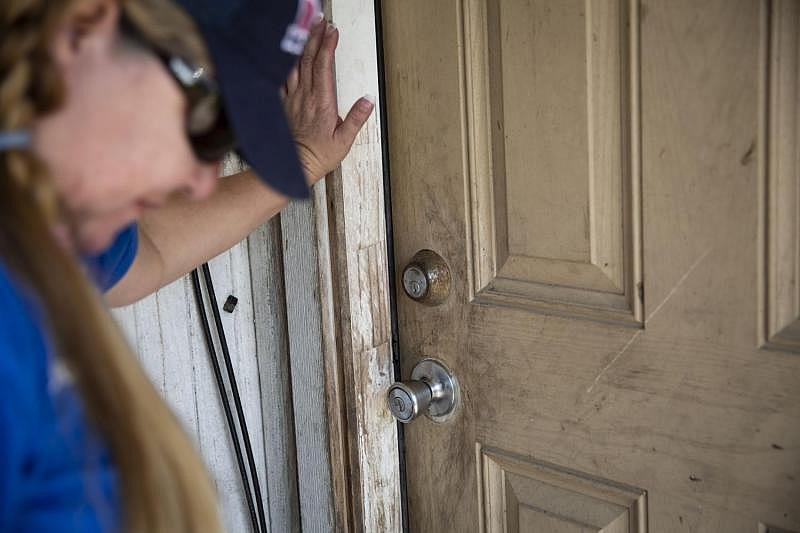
304, 320
587, 268
335, 399
523, 495
164, 330
359, 262
272, 347
780, 138
685, 411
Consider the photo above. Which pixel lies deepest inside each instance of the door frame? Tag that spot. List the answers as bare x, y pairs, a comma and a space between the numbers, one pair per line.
354, 293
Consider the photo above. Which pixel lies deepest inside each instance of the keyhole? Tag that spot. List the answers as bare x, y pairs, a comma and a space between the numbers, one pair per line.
399, 404
414, 282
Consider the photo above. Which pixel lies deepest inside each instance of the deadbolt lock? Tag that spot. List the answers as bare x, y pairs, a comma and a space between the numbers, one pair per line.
426, 279
432, 391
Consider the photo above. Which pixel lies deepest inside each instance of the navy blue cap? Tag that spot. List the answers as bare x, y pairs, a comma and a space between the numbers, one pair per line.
254, 45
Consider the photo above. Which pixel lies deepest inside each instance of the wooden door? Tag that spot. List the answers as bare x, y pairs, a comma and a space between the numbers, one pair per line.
615, 186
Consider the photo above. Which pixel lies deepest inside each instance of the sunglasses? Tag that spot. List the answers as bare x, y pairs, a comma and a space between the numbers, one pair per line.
207, 127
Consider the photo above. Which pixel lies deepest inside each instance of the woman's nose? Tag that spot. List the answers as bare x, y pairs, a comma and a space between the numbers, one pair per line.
203, 180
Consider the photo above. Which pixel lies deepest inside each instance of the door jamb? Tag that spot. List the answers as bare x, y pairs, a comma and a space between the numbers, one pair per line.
355, 297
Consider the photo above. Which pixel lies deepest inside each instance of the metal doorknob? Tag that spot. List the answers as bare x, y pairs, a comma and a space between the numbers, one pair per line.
426, 278
432, 390
408, 400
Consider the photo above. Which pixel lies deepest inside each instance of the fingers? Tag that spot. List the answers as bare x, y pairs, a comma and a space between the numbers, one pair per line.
346, 132
310, 52
292, 81
323, 65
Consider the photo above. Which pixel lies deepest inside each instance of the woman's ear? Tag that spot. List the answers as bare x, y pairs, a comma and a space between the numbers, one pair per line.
89, 27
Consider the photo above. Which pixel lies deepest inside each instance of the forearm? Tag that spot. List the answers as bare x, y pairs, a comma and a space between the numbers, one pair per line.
187, 233
177, 237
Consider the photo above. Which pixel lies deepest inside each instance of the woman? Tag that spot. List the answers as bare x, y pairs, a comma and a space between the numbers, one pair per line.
111, 112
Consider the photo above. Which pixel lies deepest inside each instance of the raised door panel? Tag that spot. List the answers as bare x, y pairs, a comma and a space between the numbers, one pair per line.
552, 132
782, 169
764, 528
522, 495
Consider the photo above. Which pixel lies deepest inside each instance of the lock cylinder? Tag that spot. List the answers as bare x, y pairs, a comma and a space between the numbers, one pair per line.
432, 391
426, 278
408, 400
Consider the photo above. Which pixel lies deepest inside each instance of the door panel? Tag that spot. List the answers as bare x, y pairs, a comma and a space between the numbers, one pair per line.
572, 241
783, 166
522, 495
615, 188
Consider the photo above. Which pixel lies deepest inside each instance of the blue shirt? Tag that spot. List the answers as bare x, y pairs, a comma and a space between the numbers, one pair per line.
55, 472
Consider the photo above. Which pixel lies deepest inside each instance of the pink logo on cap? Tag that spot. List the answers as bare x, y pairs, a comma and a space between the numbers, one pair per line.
297, 33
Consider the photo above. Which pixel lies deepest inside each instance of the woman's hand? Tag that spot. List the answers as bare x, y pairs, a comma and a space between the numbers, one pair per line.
323, 138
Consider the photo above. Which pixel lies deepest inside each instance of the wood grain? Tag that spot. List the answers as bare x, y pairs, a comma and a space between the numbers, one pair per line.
584, 103
304, 320
164, 330
358, 258
687, 407
522, 495
272, 347
783, 178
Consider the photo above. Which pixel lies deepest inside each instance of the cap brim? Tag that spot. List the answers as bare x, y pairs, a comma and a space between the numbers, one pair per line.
256, 112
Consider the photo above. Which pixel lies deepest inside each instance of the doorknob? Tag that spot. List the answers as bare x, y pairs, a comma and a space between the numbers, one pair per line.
432, 390
426, 279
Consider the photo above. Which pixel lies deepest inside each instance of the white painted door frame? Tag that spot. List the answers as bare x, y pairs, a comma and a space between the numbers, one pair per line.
352, 242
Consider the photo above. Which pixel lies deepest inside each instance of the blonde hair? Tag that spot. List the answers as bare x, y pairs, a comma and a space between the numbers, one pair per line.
164, 485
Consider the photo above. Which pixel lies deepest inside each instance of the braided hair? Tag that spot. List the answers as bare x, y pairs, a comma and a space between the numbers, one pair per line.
164, 486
